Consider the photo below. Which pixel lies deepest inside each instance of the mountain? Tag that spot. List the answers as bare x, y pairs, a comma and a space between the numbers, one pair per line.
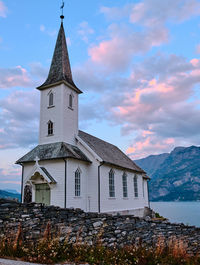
12, 191
9, 195
151, 163
174, 176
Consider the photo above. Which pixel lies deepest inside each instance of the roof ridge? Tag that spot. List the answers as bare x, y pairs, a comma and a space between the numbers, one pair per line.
99, 139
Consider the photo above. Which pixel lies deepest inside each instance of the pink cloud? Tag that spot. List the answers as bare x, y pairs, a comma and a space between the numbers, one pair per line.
3, 9
154, 12
117, 52
148, 145
11, 182
14, 77
19, 125
195, 62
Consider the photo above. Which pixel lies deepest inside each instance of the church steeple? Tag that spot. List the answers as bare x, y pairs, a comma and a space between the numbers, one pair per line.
60, 70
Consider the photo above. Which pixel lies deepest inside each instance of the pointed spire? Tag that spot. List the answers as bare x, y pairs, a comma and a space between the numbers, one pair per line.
60, 70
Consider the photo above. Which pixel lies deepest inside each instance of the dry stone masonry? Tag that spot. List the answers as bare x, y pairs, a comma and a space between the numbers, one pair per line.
91, 227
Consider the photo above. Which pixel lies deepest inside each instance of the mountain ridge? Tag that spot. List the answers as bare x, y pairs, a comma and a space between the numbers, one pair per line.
175, 176
9, 195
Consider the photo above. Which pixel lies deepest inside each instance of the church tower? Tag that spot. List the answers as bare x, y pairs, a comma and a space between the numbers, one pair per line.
59, 98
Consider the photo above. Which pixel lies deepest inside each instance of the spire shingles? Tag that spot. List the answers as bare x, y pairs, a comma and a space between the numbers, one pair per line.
60, 70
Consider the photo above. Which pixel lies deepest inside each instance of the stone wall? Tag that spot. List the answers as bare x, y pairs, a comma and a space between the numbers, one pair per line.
91, 227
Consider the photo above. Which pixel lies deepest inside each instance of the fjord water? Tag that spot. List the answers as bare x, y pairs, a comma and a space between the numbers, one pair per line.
179, 212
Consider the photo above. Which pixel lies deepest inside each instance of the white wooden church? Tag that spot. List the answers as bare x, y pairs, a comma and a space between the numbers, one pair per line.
71, 168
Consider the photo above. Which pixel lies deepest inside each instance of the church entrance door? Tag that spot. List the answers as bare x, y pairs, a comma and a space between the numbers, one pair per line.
42, 194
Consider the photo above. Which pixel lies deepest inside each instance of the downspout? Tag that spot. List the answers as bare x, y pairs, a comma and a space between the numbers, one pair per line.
99, 188
65, 192
22, 181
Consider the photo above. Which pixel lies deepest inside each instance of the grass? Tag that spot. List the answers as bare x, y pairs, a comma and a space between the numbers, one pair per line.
49, 249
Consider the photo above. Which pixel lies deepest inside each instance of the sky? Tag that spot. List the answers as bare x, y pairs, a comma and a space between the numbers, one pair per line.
137, 62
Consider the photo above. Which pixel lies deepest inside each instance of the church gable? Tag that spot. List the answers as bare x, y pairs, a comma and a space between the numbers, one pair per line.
39, 174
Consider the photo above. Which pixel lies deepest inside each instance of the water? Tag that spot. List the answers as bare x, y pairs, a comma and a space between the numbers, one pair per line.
179, 212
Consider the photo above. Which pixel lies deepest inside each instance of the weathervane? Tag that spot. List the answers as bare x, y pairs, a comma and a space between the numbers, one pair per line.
62, 7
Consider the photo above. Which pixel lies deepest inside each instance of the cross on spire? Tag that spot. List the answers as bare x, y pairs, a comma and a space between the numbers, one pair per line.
62, 7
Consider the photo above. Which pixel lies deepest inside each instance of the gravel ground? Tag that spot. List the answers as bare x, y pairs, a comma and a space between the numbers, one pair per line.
14, 262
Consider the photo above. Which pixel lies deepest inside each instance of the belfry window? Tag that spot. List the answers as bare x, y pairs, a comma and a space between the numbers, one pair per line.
111, 184
71, 101
51, 99
77, 183
50, 128
124, 184
135, 182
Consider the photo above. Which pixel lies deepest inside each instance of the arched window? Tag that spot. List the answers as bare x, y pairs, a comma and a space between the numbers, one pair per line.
135, 182
124, 185
50, 128
71, 101
111, 184
77, 183
50, 99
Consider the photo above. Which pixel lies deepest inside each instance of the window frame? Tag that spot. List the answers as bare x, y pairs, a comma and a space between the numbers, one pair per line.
50, 128
111, 184
71, 101
135, 184
77, 183
125, 185
51, 99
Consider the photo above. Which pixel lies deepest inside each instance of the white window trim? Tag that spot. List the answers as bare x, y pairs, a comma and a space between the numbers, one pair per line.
77, 186
111, 185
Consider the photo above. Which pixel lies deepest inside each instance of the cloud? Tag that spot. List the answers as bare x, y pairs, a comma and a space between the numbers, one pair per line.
14, 77
19, 119
117, 53
3, 9
85, 31
155, 106
147, 145
159, 105
50, 32
38, 71
42, 28
10, 177
154, 12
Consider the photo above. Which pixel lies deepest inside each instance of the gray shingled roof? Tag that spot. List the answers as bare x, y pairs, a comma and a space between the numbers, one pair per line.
60, 66
109, 153
54, 151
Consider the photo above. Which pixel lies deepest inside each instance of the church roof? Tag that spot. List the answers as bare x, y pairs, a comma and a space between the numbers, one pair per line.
109, 153
60, 70
54, 151
52, 180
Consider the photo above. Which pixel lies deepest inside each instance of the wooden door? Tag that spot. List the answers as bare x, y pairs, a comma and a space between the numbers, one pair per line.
42, 194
